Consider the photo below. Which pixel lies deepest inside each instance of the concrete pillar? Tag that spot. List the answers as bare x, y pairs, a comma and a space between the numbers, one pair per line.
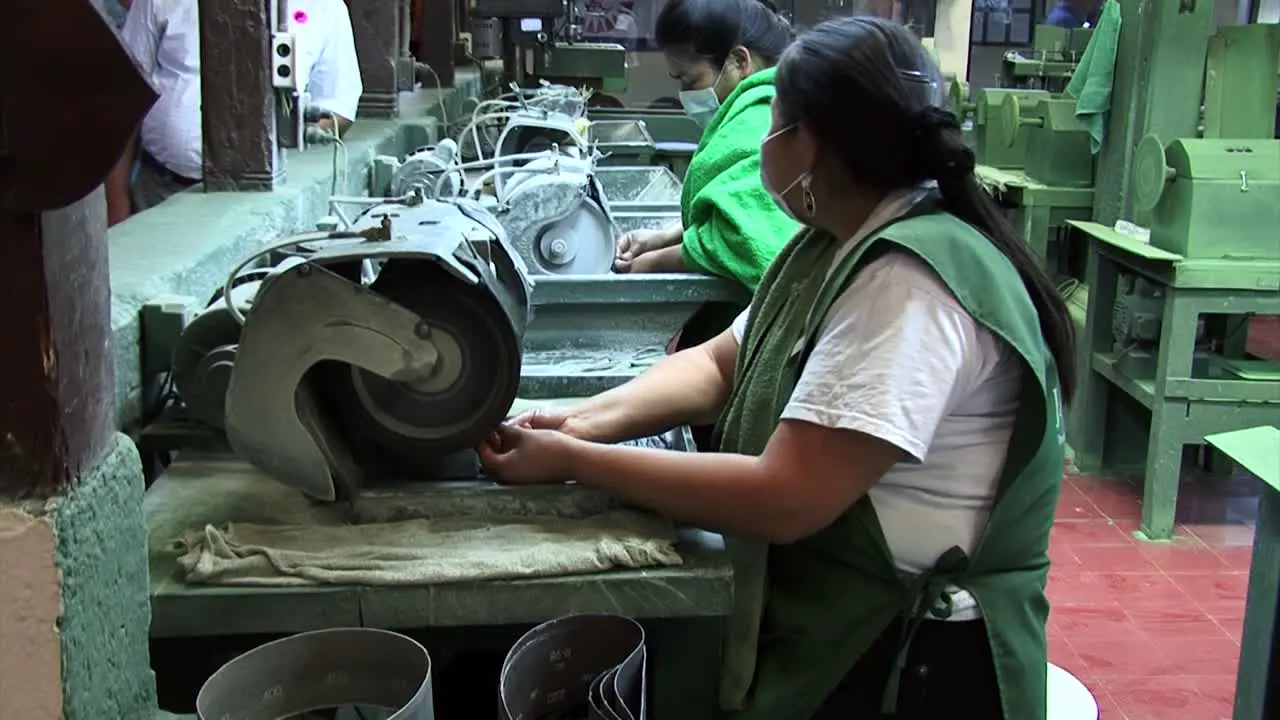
1268, 11
74, 609
951, 31
1158, 83
241, 151
376, 26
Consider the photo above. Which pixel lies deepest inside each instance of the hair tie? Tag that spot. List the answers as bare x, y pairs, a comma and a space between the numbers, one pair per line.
933, 119
938, 136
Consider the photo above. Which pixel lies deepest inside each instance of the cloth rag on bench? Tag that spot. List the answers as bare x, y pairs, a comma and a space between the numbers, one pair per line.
422, 552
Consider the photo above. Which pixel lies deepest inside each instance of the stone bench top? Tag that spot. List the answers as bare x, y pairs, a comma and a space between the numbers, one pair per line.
203, 489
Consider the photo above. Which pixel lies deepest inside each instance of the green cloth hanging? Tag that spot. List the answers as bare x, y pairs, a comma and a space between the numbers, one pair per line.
1092, 82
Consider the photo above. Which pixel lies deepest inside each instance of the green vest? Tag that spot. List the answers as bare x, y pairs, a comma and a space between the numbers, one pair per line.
806, 612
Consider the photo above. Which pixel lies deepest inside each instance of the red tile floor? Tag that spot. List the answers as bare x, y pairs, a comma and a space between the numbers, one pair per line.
1153, 629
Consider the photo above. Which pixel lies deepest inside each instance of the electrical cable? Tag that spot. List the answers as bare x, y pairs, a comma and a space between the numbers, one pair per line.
277, 246
444, 113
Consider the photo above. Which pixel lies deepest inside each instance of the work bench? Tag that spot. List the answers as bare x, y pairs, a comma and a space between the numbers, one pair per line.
682, 608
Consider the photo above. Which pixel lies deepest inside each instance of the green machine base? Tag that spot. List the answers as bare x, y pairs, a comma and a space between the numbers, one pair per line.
1037, 210
1185, 394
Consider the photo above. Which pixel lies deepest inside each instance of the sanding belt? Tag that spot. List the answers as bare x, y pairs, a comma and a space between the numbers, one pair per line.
579, 667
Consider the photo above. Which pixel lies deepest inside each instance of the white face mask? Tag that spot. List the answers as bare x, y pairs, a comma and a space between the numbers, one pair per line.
701, 105
780, 196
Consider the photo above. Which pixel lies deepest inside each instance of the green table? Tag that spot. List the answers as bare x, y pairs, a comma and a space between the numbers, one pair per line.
1038, 210
1257, 450
1186, 394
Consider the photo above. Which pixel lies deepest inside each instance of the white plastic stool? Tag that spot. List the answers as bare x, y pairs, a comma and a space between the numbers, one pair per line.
1069, 699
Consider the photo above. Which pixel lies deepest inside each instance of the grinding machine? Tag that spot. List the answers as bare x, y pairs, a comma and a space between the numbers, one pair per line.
1035, 157
1169, 313
352, 375
991, 145
528, 119
546, 183
1050, 62
543, 40
383, 346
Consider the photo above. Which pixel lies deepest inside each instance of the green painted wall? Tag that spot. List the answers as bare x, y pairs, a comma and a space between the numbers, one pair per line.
106, 613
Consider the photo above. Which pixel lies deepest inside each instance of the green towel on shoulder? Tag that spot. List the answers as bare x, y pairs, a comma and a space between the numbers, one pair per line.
732, 227
1094, 76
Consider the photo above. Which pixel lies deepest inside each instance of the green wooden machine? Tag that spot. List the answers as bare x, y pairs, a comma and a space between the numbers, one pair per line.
995, 144
1167, 318
1034, 156
1163, 353
1055, 181
1055, 53
1032, 153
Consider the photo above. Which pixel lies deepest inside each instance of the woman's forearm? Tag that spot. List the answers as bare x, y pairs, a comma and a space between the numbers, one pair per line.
689, 387
717, 491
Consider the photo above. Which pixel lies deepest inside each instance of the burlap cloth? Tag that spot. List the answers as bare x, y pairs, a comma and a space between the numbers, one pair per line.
421, 552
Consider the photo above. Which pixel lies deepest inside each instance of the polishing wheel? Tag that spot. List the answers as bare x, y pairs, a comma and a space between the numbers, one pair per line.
580, 244
1010, 120
475, 381
1151, 172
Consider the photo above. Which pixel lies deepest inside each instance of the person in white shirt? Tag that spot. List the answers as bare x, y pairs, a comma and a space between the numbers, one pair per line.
164, 39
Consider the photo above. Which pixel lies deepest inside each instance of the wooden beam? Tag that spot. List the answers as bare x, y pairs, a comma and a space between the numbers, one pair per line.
951, 35
241, 150
436, 36
376, 26
56, 368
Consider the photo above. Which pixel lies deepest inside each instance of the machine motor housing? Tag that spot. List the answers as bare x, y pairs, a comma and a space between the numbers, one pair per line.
377, 359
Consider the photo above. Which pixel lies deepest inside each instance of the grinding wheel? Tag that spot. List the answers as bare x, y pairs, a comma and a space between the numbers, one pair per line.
1150, 173
1010, 120
604, 100
477, 377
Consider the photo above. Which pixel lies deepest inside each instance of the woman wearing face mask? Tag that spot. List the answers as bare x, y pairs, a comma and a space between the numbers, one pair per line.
890, 415
722, 53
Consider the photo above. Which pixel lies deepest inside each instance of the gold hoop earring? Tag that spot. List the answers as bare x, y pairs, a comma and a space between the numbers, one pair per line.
806, 193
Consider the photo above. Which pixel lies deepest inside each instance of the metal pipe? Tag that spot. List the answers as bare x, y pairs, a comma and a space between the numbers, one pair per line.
281, 15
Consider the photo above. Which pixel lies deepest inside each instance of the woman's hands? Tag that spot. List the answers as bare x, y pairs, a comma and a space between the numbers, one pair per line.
533, 447
635, 243
519, 454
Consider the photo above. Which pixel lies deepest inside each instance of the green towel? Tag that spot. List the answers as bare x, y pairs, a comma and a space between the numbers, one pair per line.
1094, 76
732, 227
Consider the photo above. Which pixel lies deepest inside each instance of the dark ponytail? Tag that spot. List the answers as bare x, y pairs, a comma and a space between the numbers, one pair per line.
964, 197
869, 92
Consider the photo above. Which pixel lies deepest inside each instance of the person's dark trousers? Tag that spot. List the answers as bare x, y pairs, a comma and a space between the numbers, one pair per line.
153, 183
949, 674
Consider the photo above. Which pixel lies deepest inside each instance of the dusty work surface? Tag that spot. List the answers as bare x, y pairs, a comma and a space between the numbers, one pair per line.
218, 489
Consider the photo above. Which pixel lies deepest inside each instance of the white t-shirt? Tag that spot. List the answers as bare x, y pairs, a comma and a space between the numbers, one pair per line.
164, 38
899, 358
